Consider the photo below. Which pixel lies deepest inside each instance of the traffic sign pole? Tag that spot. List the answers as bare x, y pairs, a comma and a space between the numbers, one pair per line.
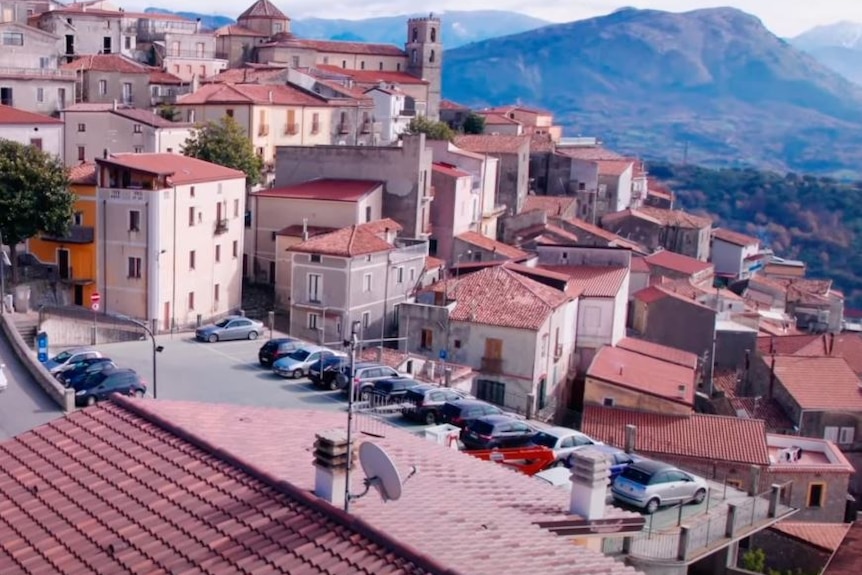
95, 298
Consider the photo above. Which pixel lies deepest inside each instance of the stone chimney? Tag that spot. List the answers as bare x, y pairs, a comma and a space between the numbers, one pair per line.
631, 438
330, 461
590, 475
197, 25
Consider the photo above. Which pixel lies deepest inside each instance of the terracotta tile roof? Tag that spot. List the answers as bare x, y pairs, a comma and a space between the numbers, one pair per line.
518, 108
487, 244
247, 75
449, 170
165, 78
643, 374
847, 560
848, 346
237, 30
492, 144
660, 193
476, 516
10, 115
612, 238
734, 238
550, 234
501, 297
542, 144
368, 77
614, 167
658, 351
324, 189
551, 205
593, 281
432, 263
353, 48
639, 265
179, 169
296, 231
382, 226
651, 294
114, 489
347, 242
140, 115
268, 94
768, 410
450, 105
676, 218
784, 344
819, 383
263, 9
492, 119
107, 63
677, 262
825, 536
709, 437
589, 153
83, 174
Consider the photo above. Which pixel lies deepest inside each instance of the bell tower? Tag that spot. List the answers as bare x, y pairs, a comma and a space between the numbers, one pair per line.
424, 49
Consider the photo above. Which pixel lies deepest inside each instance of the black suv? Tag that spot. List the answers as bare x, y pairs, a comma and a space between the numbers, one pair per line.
100, 385
462, 411
425, 401
277, 348
84, 369
500, 431
330, 367
391, 390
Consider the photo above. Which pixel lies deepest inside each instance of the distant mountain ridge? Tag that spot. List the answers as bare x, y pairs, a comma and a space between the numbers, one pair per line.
711, 86
838, 46
459, 27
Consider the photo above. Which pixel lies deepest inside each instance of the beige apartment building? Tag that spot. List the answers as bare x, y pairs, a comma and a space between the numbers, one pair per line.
170, 238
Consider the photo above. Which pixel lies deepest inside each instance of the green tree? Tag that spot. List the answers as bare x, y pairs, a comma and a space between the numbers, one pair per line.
433, 130
34, 196
754, 560
225, 143
474, 124
169, 112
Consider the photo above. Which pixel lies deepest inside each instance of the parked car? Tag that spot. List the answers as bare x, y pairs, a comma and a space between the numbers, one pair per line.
100, 385
563, 441
329, 369
4, 383
83, 369
231, 327
78, 365
556, 476
651, 484
392, 390
361, 381
298, 363
423, 403
70, 357
460, 412
496, 431
617, 458
277, 348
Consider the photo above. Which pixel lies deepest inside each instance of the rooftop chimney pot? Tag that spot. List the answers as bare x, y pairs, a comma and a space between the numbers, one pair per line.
330, 462
590, 476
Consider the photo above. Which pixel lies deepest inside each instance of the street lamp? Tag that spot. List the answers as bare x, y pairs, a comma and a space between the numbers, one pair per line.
157, 349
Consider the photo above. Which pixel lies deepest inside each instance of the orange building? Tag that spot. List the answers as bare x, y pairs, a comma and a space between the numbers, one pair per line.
74, 254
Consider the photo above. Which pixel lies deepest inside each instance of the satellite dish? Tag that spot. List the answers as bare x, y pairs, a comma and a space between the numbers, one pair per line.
380, 471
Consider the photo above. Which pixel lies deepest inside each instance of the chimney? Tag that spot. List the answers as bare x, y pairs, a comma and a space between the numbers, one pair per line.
197, 25
590, 476
631, 438
305, 229
105, 154
831, 349
330, 462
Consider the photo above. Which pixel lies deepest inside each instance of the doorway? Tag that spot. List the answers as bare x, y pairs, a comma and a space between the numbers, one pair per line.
79, 294
166, 325
63, 264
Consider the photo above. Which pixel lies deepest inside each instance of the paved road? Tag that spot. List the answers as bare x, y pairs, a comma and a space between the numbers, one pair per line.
23, 405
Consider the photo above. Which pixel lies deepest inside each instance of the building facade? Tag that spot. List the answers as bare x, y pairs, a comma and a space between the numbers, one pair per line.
30, 129
513, 154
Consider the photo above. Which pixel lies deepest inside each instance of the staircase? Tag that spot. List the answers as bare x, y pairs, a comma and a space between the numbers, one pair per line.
27, 327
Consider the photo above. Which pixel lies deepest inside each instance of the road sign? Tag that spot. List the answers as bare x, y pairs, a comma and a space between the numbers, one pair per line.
443, 354
94, 306
95, 298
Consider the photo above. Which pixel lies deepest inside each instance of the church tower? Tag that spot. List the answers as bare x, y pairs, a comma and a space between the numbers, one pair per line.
424, 49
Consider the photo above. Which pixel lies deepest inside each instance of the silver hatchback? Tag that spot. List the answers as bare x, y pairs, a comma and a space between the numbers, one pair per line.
651, 484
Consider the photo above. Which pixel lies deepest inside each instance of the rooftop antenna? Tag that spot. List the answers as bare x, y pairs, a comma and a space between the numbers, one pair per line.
380, 473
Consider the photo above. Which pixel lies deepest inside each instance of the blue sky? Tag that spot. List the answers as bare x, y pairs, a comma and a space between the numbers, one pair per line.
783, 17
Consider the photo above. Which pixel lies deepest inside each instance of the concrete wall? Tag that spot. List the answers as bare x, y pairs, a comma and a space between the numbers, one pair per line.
452, 211
597, 391
51, 136
835, 501
89, 31
64, 332
137, 94
57, 91
39, 49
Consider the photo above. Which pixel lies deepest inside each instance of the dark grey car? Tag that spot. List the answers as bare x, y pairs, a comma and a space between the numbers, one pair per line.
231, 327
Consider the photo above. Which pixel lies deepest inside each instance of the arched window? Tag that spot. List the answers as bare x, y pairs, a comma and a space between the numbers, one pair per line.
415, 34
413, 56
432, 57
433, 34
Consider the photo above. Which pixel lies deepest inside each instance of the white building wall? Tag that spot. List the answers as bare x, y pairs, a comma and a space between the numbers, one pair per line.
624, 190
596, 323
50, 134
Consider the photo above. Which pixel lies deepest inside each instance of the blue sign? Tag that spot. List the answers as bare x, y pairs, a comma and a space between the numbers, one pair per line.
443, 354
42, 346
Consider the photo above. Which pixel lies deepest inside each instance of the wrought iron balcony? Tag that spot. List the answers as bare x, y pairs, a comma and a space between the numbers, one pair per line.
291, 129
221, 226
75, 235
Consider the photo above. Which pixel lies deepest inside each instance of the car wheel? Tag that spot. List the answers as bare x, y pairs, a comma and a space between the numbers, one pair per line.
252, 335
297, 373
91, 400
559, 463
699, 496
431, 418
652, 506
365, 394
333, 385
139, 393
212, 338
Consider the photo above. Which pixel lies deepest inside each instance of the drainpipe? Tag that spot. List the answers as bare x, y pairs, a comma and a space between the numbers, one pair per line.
105, 253
174, 265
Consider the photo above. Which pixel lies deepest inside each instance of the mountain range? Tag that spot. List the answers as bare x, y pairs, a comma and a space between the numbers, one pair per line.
709, 86
459, 27
838, 46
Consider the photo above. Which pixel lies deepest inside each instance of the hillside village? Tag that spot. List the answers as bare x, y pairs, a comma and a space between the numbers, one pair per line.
554, 276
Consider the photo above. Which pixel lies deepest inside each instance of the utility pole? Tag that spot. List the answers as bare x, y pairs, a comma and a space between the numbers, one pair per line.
354, 343
3, 259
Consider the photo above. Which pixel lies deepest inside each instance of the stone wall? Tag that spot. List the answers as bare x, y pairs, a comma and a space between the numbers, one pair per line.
786, 553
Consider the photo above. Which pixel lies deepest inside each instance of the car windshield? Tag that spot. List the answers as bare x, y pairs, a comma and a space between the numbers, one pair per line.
62, 357
482, 427
300, 354
91, 380
545, 439
222, 323
636, 475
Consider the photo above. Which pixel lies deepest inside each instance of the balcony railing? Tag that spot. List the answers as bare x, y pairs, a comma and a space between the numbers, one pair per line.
291, 129
492, 365
128, 100
408, 112
263, 130
344, 128
164, 99
201, 55
50, 73
75, 235
369, 127
221, 226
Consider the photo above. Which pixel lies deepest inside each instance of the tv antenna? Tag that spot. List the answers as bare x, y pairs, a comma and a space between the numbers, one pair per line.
380, 473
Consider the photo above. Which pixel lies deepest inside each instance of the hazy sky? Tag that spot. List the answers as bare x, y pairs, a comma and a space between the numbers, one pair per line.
783, 17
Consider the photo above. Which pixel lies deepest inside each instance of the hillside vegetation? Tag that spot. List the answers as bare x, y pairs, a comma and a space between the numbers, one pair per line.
815, 219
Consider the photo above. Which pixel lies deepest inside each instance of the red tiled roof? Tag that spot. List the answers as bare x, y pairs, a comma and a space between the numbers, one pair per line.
677, 262
847, 560
769, 410
612, 238
353, 48
734, 238
614, 167
449, 170
651, 294
518, 108
263, 9
476, 516
492, 144
114, 489
107, 63
368, 77
825, 536
432, 263
710, 437
487, 244
589, 153
658, 351
382, 226
296, 231
492, 118
660, 193
324, 189
237, 30
593, 281
550, 234
848, 346
551, 205
83, 174
819, 383
347, 242
147, 117
10, 115
269, 94
676, 218
784, 344
179, 169
639, 265
165, 78
643, 374
245, 75
450, 105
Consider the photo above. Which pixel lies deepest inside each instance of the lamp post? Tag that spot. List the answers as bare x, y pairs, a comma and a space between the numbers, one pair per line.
355, 327
157, 349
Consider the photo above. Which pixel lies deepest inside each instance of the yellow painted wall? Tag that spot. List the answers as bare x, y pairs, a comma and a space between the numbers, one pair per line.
595, 392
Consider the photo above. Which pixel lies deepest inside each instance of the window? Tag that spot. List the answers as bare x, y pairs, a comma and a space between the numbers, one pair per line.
82, 153
82, 127
413, 56
103, 87
491, 391
192, 191
40, 94
344, 64
137, 129
218, 253
313, 319
191, 216
366, 319
427, 339
36, 142
314, 285
608, 401
839, 435
366, 283
13, 39
134, 220
276, 27
457, 344
367, 213
295, 61
399, 275
44, 62
432, 56
78, 219
127, 93
816, 494
362, 65
398, 67
192, 260
272, 235
236, 208
415, 36
433, 34
106, 45
135, 268
235, 249
139, 149
380, 66
191, 300
128, 42
216, 293
314, 258
229, 112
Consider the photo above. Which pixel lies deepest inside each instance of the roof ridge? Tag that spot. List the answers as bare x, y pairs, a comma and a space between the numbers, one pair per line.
526, 283
352, 522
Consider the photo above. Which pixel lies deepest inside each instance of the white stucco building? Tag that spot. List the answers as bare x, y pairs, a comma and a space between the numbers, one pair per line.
28, 128
734, 254
393, 108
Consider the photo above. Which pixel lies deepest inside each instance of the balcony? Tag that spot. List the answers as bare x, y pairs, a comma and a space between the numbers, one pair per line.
263, 130
128, 100
408, 249
75, 235
496, 211
159, 99
492, 365
42, 73
369, 127
409, 112
558, 351
221, 226
291, 129
344, 128
197, 54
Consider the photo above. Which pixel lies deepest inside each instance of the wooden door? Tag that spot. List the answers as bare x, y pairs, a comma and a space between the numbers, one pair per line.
63, 264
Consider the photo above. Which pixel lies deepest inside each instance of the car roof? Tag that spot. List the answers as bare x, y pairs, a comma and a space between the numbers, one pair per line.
78, 349
310, 347
280, 340
467, 401
497, 418
651, 466
399, 379
557, 431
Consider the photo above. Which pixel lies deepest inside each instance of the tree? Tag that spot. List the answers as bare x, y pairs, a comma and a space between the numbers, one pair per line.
34, 196
225, 143
433, 130
169, 112
474, 124
754, 560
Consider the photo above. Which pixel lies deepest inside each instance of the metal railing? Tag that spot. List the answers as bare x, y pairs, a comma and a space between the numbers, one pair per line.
206, 54
291, 129
221, 226
75, 235
38, 72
